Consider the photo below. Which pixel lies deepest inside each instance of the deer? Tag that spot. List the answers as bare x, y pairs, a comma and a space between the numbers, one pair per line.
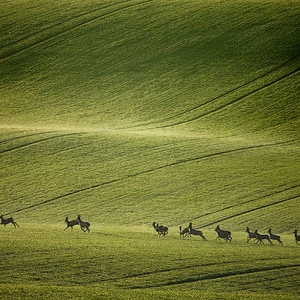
251, 235
7, 221
297, 237
223, 234
161, 230
185, 231
84, 226
275, 237
196, 232
71, 223
261, 237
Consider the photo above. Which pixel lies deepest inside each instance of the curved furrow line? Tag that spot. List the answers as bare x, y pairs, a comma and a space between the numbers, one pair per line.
251, 210
35, 142
238, 99
186, 267
130, 276
246, 84
188, 160
234, 205
182, 268
80, 24
59, 24
65, 195
220, 275
23, 136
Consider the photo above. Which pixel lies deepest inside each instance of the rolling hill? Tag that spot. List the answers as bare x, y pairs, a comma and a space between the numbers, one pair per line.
173, 110
134, 111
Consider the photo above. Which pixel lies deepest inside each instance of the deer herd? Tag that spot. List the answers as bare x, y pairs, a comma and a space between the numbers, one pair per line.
186, 232
226, 235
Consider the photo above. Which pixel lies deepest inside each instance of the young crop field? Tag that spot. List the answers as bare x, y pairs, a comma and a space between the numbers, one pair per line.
131, 112
133, 262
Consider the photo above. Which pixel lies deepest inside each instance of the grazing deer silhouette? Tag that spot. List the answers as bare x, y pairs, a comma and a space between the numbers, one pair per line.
7, 221
275, 237
223, 234
251, 235
261, 237
71, 223
161, 230
196, 232
84, 226
297, 237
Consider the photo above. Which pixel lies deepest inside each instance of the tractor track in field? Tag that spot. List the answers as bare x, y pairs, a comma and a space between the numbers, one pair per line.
252, 209
187, 267
228, 93
69, 27
35, 142
216, 276
46, 29
23, 137
240, 204
236, 100
144, 172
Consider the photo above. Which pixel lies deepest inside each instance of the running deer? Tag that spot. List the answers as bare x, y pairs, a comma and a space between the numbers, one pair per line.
7, 221
196, 232
261, 237
185, 231
71, 223
161, 230
84, 226
223, 234
251, 235
297, 237
275, 237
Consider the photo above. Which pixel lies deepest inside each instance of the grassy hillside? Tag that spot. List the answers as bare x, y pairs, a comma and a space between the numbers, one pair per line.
150, 105
130, 112
207, 65
122, 262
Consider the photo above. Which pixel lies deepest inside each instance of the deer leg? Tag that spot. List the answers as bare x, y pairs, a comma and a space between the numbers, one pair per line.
16, 225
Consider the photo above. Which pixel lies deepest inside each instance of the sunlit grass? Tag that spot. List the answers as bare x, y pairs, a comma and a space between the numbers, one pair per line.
122, 260
133, 112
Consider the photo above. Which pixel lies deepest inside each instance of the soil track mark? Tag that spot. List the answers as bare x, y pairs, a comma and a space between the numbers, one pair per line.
79, 21
228, 93
65, 22
235, 205
35, 142
23, 137
236, 100
251, 210
220, 275
183, 161
187, 267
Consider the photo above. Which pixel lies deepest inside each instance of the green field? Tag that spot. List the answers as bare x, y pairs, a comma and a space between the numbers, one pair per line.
134, 112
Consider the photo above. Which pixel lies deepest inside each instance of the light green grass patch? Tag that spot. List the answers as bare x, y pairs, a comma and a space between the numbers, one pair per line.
130, 112
135, 262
